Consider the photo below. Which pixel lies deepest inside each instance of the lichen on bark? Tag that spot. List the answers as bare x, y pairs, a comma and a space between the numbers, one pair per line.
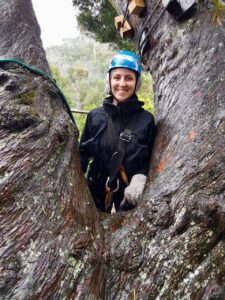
53, 243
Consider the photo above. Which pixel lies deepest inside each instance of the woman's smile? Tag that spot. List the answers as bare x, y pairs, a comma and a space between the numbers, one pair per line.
123, 83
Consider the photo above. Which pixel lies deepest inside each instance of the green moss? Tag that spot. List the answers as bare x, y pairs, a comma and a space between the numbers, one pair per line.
27, 97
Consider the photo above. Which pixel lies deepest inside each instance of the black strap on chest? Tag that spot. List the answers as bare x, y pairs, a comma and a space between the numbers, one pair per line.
119, 141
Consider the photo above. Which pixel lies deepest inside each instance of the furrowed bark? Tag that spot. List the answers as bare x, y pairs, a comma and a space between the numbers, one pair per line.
176, 239
53, 244
50, 243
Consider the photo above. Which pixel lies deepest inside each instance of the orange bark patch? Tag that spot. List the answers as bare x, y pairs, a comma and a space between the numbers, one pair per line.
163, 162
160, 166
192, 134
217, 20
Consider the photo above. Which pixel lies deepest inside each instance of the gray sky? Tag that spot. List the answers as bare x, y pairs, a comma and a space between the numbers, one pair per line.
56, 19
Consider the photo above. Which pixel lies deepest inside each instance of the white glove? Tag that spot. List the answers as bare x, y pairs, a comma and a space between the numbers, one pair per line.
134, 190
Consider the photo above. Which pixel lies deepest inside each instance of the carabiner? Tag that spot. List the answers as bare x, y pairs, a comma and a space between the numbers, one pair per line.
117, 185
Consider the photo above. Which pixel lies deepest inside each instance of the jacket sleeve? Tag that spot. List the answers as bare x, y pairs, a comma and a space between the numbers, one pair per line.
150, 141
86, 135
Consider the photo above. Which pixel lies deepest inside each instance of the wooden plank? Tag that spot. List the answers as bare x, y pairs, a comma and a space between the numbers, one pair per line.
136, 7
118, 20
126, 31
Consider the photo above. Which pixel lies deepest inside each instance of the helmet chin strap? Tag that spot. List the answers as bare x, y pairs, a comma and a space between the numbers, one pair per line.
110, 89
114, 98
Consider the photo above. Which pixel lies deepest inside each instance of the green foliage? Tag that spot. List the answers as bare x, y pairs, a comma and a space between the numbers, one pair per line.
145, 93
96, 18
79, 91
79, 67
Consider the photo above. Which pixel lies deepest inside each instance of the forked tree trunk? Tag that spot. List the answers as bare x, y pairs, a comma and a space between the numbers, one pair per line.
53, 243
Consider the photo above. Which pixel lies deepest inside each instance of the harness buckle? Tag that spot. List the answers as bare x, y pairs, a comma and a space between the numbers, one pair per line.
126, 135
108, 187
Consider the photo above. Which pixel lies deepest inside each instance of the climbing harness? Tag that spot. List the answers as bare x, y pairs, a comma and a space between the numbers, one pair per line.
116, 163
46, 76
109, 193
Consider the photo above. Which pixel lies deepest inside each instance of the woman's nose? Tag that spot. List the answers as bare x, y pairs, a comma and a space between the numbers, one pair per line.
122, 81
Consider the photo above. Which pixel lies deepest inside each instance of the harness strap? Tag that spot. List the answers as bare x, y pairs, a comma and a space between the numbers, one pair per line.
116, 161
119, 150
123, 175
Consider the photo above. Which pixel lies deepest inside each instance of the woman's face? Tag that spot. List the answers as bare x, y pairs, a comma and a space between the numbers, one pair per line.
123, 83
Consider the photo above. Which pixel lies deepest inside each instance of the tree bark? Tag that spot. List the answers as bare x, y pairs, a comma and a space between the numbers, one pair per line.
50, 240
54, 245
179, 226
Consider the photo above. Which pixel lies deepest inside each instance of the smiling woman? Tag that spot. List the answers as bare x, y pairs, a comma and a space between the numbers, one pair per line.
123, 83
117, 139
57, 20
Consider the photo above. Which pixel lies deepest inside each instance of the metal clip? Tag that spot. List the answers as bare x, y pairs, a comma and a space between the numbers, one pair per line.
126, 135
117, 185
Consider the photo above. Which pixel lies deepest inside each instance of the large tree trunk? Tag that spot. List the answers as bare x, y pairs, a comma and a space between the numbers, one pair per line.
53, 244
47, 222
179, 227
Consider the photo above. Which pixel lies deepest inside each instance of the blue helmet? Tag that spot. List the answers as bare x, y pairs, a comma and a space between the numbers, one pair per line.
126, 59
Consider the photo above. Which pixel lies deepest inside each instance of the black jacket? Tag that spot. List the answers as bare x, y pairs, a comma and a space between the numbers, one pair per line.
96, 143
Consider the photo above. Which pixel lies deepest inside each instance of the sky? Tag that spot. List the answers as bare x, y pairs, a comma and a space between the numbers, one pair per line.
56, 19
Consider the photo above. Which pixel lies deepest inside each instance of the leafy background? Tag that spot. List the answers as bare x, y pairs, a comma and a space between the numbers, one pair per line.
79, 67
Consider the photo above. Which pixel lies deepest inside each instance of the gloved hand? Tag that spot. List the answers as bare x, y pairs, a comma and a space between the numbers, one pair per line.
134, 190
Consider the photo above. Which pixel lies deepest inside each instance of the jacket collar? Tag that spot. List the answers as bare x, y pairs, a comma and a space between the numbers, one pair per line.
127, 107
